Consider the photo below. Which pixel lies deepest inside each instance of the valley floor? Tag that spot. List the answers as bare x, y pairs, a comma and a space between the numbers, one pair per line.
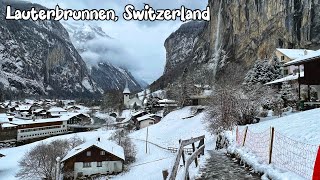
180, 124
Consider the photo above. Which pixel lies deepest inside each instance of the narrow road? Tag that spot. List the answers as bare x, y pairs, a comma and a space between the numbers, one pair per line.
221, 167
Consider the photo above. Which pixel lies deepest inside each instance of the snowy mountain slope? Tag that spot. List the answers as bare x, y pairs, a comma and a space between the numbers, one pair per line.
37, 58
95, 47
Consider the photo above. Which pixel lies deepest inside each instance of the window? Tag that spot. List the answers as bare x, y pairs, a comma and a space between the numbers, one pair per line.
88, 153
282, 58
102, 153
151, 123
99, 164
86, 164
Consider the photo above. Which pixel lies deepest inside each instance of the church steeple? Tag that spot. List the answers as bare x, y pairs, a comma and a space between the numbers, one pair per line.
126, 89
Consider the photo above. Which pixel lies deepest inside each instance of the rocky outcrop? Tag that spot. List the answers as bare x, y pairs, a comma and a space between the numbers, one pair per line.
37, 58
242, 31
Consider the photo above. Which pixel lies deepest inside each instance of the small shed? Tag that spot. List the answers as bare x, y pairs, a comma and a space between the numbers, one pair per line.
93, 157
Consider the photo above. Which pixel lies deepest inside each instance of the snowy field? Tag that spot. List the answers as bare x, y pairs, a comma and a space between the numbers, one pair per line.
148, 166
303, 127
166, 134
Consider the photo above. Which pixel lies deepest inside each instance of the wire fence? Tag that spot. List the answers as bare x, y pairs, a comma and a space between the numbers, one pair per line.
283, 152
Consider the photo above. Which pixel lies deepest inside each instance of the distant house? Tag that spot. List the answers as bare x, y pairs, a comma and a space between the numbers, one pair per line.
93, 157
1, 155
136, 115
287, 55
73, 108
145, 121
57, 111
77, 118
3, 109
8, 132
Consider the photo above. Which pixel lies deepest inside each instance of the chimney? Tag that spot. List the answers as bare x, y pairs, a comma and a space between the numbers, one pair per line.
10, 118
99, 139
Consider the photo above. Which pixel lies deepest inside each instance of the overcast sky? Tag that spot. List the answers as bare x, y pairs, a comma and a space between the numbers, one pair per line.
142, 41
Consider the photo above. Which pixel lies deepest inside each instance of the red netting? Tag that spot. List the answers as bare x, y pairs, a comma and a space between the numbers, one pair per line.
259, 144
294, 156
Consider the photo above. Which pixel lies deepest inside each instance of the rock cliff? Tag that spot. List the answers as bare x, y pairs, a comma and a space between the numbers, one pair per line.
240, 32
38, 58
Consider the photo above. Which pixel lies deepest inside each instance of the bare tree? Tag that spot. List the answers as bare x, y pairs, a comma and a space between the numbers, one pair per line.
121, 138
40, 161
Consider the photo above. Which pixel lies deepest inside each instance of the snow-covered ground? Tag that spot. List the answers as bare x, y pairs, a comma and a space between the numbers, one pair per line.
165, 134
148, 165
300, 128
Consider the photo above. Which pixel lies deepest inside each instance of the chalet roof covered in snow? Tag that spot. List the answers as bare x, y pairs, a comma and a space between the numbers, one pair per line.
287, 78
146, 117
105, 145
167, 101
23, 107
295, 53
57, 109
137, 113
38, 110
315, 56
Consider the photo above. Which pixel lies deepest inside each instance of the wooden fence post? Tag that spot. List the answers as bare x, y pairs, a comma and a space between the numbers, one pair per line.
183, 157
165, 174
271, 144
194, 149
245, 136
237, 133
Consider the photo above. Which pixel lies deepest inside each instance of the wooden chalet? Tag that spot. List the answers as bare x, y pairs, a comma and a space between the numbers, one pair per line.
92, 158
311, 75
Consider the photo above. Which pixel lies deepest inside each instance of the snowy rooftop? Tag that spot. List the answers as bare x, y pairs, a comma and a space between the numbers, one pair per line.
24, 107
295, 53
146, 117
6, 125
307, 58
287, 78
106, 145
38, 110
56, 109
167, 101
18, 121
137, 113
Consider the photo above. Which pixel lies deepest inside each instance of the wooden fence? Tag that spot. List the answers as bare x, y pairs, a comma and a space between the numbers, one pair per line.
181, 154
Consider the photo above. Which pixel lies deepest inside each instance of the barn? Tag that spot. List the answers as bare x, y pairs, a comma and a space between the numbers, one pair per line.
93, 157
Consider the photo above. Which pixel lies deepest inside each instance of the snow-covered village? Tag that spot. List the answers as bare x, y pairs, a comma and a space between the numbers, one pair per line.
236, 97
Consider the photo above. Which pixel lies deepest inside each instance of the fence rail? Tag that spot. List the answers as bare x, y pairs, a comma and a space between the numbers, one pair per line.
196, 151
273, 147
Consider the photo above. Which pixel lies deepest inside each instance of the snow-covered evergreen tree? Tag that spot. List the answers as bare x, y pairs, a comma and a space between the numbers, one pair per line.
288, 95
263, 71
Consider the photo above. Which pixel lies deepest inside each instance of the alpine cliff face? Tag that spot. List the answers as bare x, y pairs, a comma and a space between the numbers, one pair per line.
37, 58
240, 32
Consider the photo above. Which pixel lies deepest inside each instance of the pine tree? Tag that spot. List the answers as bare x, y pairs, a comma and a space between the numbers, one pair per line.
287, 94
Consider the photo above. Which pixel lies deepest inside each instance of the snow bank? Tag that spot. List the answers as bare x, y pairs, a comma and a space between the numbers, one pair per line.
301, 130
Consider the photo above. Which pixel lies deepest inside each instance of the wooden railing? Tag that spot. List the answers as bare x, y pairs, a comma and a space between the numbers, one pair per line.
181, 154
